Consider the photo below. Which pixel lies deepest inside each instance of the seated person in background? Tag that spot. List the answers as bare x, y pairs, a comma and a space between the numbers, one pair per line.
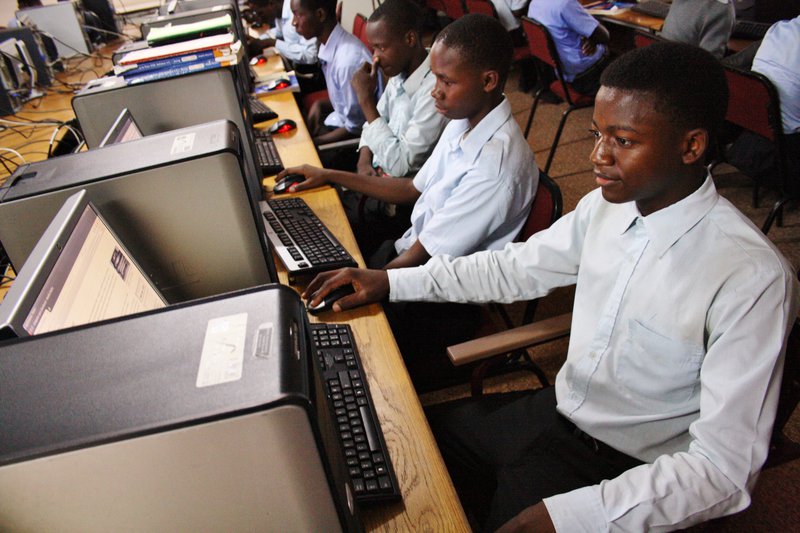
265, 12
299, 53
579, 39
778, 58
341, 55
403, 126
473, 193
704, 23
662, 413
508, 12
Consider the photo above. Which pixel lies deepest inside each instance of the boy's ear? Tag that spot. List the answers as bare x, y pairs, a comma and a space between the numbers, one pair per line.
695, 146
491, 79
320, 14
411, 38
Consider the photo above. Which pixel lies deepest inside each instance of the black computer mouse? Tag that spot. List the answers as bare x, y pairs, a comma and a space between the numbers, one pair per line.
285, 183
327, 302
280, 83
283, 125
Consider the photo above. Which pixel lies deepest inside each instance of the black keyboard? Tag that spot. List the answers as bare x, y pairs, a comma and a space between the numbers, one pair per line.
260, 111
267, 153
353, 411
749, 29
653, 8
300, 239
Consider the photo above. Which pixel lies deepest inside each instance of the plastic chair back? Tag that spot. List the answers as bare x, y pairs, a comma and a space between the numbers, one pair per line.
360, 29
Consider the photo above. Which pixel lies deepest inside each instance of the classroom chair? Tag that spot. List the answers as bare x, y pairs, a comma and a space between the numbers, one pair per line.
645, 38
546, 208
360, 30
754, 106
485, 7
543, 48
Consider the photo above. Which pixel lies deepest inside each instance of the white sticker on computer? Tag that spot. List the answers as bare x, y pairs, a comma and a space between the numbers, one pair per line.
182, 144
223, 350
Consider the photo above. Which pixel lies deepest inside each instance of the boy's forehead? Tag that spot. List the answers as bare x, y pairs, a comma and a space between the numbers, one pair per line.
637, 106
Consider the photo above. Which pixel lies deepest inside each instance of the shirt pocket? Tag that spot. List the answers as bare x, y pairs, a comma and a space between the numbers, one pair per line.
659, 368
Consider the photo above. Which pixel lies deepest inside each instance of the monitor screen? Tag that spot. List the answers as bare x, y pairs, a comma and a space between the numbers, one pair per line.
124, 129
79, 273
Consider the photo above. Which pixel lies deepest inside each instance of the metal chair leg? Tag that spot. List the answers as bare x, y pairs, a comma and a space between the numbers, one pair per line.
775, 212
561, 124
533, 111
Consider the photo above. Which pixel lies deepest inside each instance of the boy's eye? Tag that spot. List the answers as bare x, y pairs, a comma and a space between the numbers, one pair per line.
624, 142
595, 134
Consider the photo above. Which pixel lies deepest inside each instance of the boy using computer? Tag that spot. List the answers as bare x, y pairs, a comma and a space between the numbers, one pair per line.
402, 127
475, 190
662, 413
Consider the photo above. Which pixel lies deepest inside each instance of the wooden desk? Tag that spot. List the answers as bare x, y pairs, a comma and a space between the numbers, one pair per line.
429, 499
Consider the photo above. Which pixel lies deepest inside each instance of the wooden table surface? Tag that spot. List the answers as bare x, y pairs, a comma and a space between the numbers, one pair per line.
429, 500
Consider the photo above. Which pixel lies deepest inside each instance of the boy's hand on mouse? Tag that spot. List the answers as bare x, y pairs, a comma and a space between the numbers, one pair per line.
315, 177
370, 285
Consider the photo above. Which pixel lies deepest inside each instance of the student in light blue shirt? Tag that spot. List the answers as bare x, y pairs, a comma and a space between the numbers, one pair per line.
473, 193
579, 38
341, 54
289, 43
662, 414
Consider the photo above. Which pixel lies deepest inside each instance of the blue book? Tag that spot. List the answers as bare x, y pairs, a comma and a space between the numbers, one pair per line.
165, 62
178, 70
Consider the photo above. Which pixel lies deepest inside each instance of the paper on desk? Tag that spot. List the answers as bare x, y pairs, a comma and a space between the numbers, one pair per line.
173, 31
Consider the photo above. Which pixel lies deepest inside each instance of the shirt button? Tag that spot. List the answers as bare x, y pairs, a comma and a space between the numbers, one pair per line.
592, 355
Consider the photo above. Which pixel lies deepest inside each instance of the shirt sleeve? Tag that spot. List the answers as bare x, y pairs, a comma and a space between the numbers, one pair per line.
578, 19
740, 382
400, 155
295, 48
520, 271
347, 112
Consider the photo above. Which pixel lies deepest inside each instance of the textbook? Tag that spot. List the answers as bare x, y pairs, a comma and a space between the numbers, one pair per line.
133, 77
165, 62
178, 49
181, 32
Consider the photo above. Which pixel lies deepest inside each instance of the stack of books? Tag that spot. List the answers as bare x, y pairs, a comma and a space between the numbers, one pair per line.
178, 58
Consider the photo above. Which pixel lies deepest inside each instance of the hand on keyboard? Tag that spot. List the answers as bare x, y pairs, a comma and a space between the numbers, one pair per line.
370, 286
314, 177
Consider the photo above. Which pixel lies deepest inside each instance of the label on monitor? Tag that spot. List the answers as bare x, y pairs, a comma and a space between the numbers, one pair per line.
223, 350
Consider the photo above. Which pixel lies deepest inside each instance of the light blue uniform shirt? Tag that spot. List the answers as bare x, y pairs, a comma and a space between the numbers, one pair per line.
340, 57
675, 355
567, 22
778, 58
476, 187
405, 133
291, 44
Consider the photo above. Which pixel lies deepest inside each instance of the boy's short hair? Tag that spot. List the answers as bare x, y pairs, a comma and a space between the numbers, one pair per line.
402, 16
688, 82
481, 41
329, 6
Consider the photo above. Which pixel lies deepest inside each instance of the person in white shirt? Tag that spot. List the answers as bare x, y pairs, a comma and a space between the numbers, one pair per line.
341, 54
475, 190
662, 413
289, 44
402, 127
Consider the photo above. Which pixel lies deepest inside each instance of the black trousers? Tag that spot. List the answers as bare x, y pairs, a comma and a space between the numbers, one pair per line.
506, 452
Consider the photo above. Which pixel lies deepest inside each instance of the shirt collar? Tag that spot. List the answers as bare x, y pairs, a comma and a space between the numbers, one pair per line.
328, 50
482, 132
414, 81
666, 226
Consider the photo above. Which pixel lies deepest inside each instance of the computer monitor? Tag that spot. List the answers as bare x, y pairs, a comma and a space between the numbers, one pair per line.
178, 200
170, 104
61, 22
124, 129
78, 273
37, 49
